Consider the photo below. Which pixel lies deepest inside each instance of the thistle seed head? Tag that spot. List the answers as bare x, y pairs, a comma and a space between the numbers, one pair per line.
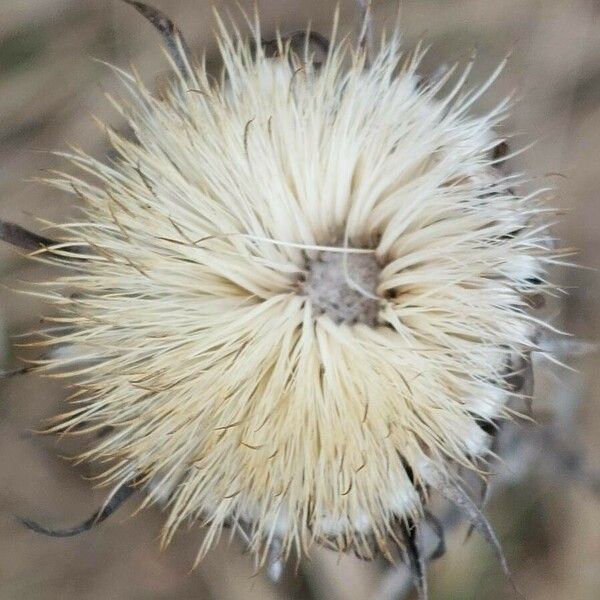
244, 368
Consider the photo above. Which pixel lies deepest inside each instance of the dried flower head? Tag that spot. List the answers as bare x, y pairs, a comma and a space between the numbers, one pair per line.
301, 293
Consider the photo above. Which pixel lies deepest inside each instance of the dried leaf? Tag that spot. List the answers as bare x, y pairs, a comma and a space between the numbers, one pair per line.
414, 559
438, 529
457, 496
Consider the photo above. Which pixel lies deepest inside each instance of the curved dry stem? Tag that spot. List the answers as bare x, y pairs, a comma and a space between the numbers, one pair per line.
171, 34
302, 43
118, 498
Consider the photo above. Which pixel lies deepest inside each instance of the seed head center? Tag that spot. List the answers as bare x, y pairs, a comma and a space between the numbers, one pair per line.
343, 286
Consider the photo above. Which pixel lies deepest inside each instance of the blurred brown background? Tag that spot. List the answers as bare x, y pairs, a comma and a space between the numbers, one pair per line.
50, 87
